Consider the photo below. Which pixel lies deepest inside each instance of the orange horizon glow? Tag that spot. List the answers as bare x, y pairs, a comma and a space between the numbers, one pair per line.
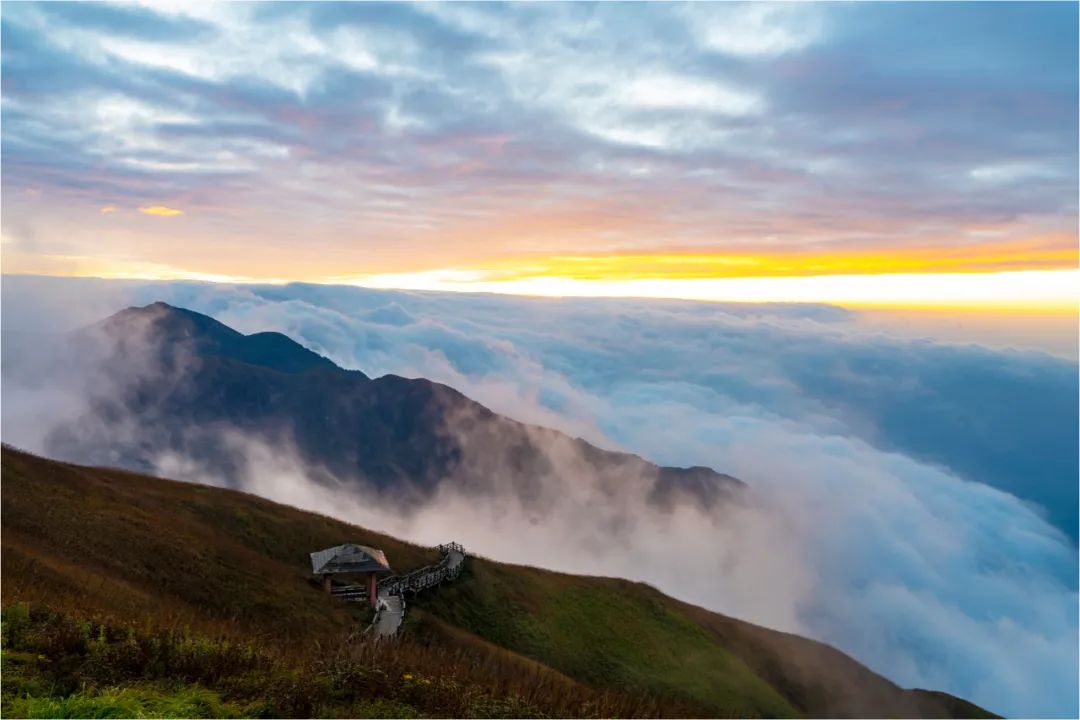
1039, 274
1036, 274
1050, 252
1040, 291
1051, 291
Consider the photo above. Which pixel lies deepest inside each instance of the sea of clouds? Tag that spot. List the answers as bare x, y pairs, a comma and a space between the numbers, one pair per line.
915, 501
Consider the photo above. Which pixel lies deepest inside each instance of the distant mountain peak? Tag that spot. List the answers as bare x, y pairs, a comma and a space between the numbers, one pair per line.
159, 307
162, 305
169, 324
406, 436
168, 318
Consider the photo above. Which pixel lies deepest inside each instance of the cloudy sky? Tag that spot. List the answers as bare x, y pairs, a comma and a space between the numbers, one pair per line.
711, 150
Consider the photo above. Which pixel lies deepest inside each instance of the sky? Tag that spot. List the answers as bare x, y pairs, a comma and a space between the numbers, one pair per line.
916, 155
914, 500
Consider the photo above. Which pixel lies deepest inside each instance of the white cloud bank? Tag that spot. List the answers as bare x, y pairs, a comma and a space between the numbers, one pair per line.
854, 537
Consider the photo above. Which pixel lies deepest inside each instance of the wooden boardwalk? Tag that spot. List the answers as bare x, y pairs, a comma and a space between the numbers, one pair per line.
426, 577
389, 617
392, 591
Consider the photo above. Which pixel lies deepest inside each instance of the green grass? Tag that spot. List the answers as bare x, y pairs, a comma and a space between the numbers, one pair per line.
607, 633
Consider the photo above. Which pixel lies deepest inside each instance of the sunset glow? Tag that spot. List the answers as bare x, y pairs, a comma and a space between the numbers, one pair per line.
451, 147
1032, 290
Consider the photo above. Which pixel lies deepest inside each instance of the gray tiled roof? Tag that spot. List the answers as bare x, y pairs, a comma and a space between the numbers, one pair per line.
348, 558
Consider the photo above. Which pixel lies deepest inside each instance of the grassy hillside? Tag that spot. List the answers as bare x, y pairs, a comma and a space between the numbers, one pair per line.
129, 595
119, 545
605, 632
623, 634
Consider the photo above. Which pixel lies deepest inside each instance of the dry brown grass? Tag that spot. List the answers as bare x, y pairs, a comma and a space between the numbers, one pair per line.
181, 575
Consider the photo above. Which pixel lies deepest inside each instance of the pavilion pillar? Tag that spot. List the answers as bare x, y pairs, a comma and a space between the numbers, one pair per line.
326, 583
372, 589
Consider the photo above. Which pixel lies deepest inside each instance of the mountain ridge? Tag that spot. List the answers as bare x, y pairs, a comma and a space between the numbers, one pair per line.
170, 380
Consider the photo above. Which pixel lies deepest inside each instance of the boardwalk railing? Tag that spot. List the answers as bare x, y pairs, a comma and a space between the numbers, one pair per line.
350, 593
425, 577
412, 583
447, 547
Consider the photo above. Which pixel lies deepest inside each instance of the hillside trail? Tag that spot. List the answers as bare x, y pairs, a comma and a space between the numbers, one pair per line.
390, 616
390, 612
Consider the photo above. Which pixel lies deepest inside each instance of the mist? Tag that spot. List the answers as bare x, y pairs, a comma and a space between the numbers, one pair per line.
860, 529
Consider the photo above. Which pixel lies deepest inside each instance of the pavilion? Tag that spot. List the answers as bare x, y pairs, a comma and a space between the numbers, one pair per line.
352, 559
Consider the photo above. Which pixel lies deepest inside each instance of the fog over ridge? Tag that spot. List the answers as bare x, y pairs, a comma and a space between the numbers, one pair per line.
862, 531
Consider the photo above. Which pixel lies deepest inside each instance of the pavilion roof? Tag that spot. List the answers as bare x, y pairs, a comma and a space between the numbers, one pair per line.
348, 558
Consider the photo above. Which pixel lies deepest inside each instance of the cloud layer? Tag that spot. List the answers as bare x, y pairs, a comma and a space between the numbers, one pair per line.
878, 464
413, 136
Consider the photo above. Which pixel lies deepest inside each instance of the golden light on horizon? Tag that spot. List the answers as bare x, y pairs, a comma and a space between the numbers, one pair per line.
160, 210
1039, 274
1025, 290
1051, 252
1045, 281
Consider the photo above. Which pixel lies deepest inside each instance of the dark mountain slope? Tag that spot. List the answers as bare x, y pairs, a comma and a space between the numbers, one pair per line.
152, 557
157, 381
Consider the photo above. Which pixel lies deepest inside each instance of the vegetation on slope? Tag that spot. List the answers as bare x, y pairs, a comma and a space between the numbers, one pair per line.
127, 595
119, 545
58, 666
606, 632
623, 634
